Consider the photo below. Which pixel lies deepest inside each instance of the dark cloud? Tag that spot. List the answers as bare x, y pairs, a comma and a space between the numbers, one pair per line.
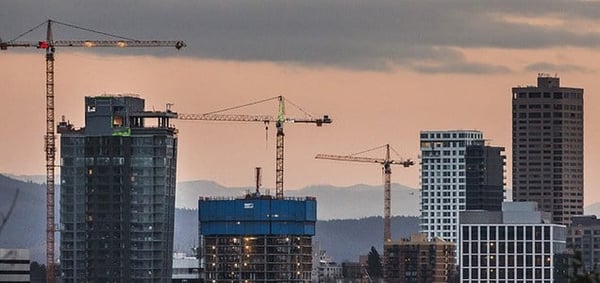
551, 68
375, 34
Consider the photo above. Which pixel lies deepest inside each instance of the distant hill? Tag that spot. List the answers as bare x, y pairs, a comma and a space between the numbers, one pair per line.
343, 239
40, 179
26, 227
332, 202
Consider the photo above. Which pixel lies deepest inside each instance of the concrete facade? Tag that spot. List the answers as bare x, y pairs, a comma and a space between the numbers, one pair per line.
418, 259
547, 140
458, 172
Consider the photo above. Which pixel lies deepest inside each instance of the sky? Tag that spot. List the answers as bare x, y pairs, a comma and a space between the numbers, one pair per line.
382, 69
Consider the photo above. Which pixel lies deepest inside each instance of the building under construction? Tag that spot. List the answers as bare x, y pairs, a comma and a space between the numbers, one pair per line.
256, 238
418, 259
117, 198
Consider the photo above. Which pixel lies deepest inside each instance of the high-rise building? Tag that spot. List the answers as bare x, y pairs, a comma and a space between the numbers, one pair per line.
584, 237
458, 172
418, 259
117, 193
257, 238
547, 140
517, 244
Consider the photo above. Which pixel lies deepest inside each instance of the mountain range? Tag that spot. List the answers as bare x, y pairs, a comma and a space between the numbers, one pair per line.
351, 202
349, 217
343, 239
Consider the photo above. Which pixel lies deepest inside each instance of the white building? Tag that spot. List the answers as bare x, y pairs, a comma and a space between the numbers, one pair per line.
443, 180
14, 265
518, 244
186, 269
324, 269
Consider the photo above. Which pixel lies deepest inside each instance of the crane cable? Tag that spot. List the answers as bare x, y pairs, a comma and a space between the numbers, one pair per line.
376, 148
74, 27
368, 150
241, 106
30, 30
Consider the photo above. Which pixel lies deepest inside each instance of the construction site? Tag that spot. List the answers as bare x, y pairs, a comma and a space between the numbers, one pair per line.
118, 179
257, 238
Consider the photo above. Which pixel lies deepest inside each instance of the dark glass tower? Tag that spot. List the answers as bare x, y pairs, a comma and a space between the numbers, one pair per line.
118, 193
484, 177
547, 140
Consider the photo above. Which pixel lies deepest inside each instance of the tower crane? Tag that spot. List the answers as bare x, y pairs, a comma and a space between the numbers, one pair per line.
50, 45
387, 184
279, 121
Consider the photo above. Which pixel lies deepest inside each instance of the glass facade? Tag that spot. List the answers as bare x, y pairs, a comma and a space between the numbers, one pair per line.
117, 194
458, 172
510, 252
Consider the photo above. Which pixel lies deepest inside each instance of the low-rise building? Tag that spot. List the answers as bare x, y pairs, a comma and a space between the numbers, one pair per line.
14, 265
517, 244
352, 271
418, 259
583, 236
325, 269
186, 269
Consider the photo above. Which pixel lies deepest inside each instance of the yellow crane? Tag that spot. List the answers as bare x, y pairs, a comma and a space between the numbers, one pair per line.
279, 121
387, 163
50, 45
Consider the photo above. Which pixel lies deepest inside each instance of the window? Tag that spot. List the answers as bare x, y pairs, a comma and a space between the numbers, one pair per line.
117, 121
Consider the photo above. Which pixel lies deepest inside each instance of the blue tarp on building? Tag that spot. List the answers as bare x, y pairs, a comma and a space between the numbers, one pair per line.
257, 216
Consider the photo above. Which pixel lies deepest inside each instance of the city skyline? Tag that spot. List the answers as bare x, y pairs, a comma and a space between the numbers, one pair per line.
370, 103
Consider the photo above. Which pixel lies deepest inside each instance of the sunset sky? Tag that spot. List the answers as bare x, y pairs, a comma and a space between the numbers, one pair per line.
382, 69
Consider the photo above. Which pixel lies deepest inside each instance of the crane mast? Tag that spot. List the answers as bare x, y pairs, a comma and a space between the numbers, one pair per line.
50, 146
279, 121
50, 138
387, 184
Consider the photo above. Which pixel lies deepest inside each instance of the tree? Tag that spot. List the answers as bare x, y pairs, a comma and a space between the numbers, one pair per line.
374, 266
37, 272
580, 275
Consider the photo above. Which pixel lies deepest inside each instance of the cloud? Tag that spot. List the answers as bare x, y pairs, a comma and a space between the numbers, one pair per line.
461, 67
355, 34
551, 68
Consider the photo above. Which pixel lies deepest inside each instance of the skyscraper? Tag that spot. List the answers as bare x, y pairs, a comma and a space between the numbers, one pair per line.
547, 139
117, 193
458, 172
